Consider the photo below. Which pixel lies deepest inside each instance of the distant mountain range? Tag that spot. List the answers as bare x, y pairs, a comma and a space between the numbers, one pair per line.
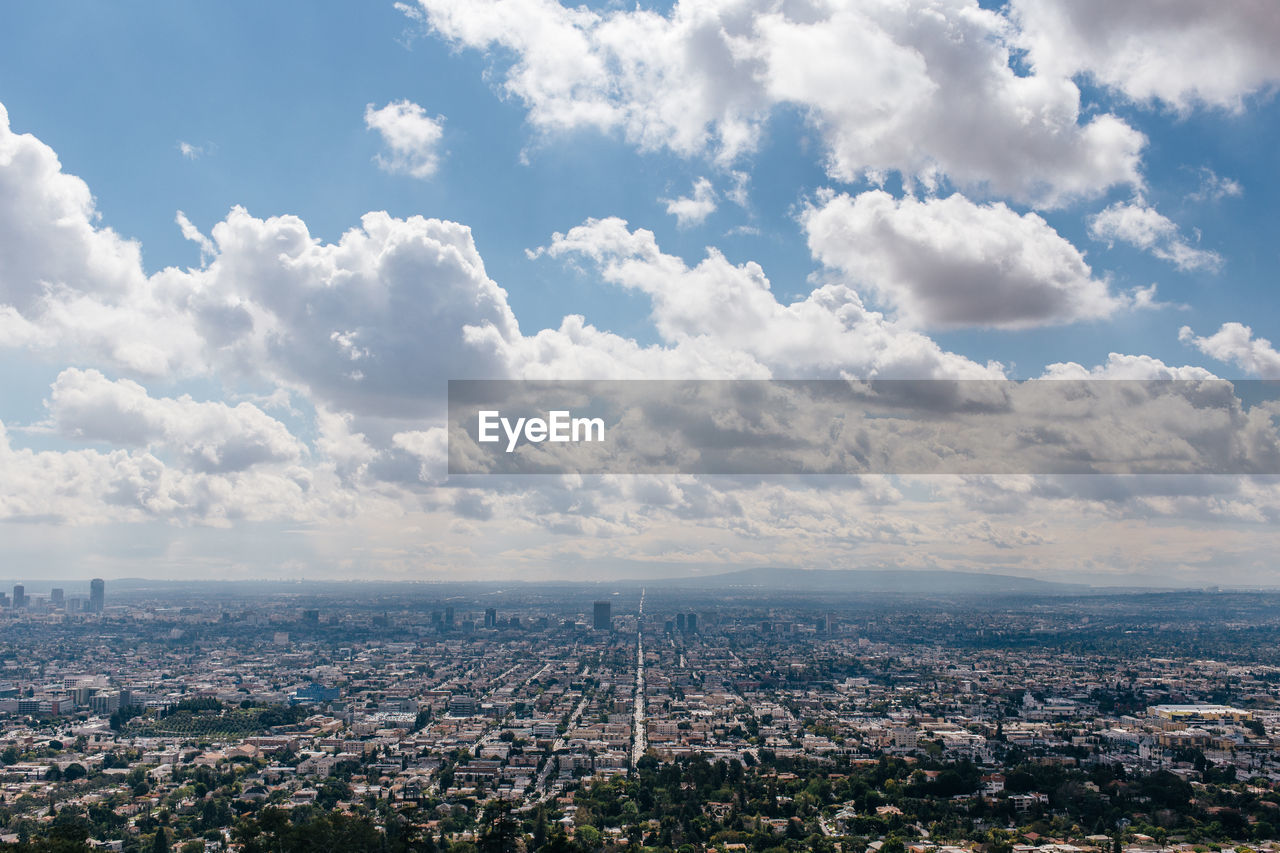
876, 581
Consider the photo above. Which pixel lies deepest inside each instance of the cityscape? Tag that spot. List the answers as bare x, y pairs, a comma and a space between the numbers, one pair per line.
640, 426
663, 716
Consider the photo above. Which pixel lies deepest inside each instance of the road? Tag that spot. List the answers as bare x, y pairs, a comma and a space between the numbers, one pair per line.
560, 745
639, 740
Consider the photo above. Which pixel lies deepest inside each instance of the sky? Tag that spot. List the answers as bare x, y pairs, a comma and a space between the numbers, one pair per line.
243, 248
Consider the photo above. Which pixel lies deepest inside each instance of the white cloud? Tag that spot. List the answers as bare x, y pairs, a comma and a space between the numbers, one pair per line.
1234, 343
1214, 187
79, 487
71, 286
411, 136
408, 302
1181, 52
365, 328
191, 152
693, 209
50, 242
1130, 367
190, 232
922, 88
209, 436
367, 324
1145, 227
950, 262
716, 303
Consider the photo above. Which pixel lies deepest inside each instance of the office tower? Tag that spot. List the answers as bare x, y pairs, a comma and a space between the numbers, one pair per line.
97, 595
311, 617
602, 616
692, 623
448, 618
680, 622
491, 617
669, 626
56, 597
19, 596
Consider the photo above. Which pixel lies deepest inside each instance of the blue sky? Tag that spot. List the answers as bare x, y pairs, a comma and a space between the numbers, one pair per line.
202, 108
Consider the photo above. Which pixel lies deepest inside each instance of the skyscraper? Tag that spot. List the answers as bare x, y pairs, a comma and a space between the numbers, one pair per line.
680, 622
56, 596
491, 617
97, 595
692, 623
602, 616
19, 596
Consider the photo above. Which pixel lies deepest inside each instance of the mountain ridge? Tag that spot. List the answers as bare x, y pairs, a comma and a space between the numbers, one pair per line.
877, 581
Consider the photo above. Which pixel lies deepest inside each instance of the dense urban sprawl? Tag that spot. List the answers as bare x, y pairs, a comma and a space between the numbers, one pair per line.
442, 718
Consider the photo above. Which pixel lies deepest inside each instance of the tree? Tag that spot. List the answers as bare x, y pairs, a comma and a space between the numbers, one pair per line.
500, 829
589, 837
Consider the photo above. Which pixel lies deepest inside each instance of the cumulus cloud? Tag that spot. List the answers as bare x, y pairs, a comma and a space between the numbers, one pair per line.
950, 262
1139, 225
922, 88
359, 332
411, 136
207, 436
368, 324
93, 487
1180, 52
70, 285
364, 328
829, 333
1119, 366
50, 242
1234, 343
693, 209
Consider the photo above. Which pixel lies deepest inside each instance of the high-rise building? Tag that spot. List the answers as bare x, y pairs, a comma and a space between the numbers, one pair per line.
311, 617
679, 621
97, 595
448, 618
602, 616
491, 617
691, 622
56, 597
19, 596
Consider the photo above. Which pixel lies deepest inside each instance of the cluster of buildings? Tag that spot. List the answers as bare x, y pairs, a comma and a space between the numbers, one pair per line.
57, 600
462, 702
